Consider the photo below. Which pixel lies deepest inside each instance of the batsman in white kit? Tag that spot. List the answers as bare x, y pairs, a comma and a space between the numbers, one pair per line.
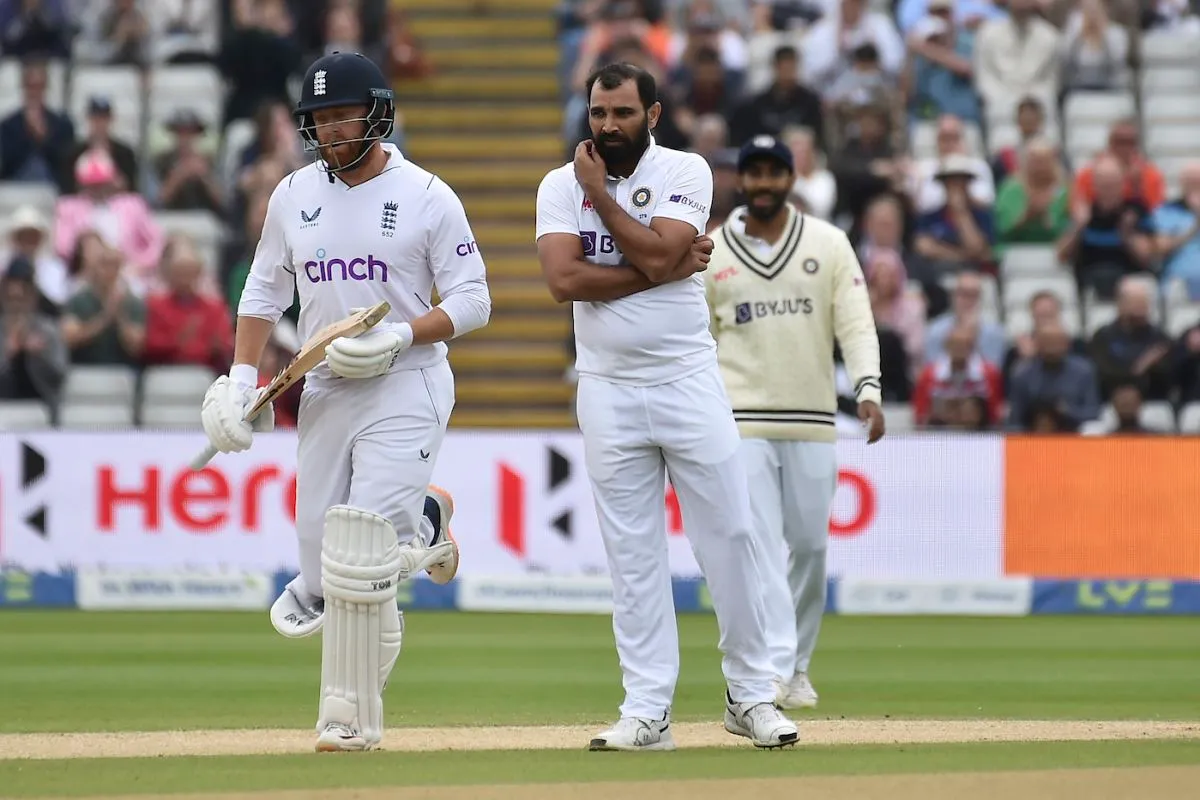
620, 233
782, 286
360, 225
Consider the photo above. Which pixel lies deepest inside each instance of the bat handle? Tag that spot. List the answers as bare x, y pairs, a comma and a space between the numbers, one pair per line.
199, 462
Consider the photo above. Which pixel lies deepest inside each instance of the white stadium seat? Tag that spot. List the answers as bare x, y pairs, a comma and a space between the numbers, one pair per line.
1018, 291
194, 87
1167, 107
122, 86
1087, 138
1189, 419
1168, 140
175, 385
899, 417
175, 416
1097, 107
1170, 49
1175, 79
1180, 318
1157, 415
1096, 316
14, 194
23, 415
100, 384
90, 416
1029, 259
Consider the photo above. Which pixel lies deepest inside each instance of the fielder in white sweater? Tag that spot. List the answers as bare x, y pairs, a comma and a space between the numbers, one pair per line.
781, 287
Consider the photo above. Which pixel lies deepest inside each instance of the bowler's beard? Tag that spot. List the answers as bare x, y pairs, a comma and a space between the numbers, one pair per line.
765, 212
618, 150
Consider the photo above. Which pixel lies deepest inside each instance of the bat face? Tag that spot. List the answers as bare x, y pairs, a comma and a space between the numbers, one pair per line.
313, 352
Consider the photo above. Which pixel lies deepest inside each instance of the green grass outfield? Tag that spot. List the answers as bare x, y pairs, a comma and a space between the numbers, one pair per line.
74, 671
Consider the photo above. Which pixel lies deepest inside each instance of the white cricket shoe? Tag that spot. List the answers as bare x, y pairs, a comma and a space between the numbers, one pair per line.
781, 690
761, 723
338, 738
635, 733
799, 693
443, 571
296, 614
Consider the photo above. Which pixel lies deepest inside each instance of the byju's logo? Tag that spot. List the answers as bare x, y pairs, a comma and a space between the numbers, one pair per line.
594, 244
466, 247
684, 200
339, 269
745, 312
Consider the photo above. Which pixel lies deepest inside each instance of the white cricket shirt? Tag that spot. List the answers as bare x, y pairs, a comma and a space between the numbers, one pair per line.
659, 335
393, 238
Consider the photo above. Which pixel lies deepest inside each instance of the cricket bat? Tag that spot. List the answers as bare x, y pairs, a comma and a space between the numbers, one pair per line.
312, 354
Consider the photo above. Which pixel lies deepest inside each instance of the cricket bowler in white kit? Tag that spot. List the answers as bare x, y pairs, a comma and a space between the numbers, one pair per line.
360, 225
620, 233
781, 287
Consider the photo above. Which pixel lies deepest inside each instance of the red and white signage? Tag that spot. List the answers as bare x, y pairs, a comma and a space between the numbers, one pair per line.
928, 507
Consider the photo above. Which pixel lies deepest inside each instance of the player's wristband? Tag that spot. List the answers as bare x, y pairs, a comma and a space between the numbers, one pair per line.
244, 374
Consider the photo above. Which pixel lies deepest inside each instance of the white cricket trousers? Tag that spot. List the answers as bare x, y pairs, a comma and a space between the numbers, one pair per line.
370, 443
792, 484
634, 438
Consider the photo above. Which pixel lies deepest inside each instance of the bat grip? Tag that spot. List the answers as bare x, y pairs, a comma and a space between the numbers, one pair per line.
201, 460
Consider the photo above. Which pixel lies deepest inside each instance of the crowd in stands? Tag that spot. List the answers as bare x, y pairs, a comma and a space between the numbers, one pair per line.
1031, 264
102, 180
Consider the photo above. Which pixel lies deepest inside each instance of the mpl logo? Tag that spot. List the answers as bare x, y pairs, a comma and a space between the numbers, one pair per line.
339, 269
466, 247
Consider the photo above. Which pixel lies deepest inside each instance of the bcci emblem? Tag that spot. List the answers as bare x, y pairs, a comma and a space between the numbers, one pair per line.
811, 266
641, 197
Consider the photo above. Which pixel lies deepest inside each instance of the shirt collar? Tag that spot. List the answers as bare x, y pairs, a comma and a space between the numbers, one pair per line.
647, 157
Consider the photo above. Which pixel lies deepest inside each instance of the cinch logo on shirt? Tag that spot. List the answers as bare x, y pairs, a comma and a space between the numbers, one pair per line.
339, 269
466, 247
684, 200
746, 312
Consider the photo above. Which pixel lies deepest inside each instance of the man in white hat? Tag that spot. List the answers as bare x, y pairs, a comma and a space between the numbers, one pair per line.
959, 234
28, 235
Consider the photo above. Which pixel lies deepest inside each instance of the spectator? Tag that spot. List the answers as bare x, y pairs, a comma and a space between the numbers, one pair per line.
258, 56
38, 28
940, 68
1178, 16
28, 237
183, 31
1045, 309
959, 234
968, 14
256, 215
960, 373
705, 31
104, 323
185, 325
706, 91
863, 78
784, 104
1031, 124
1127, 407
1131, 348
99, 137
618, 22
896, 307
971, 415
1108, 240
1016, 56
1142, 181
1095, 51
883, 227
815, 186
966, 308
710, 136
1031, 206
1187, 365
125, 32
928, 191
186, 177
34, 362
1176, 227
726, 190
866, 165
829, 44
34, 139
343, 33
1054, 380
121, 218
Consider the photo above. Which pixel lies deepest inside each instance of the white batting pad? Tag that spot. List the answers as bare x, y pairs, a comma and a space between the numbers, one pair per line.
360, 566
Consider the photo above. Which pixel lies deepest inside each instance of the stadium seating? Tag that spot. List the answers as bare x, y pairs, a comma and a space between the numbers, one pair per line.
23, 415
92, 416
100, 385
1189, 419
123, 87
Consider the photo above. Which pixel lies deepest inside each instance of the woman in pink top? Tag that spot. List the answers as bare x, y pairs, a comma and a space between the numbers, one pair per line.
895, 306
122, 218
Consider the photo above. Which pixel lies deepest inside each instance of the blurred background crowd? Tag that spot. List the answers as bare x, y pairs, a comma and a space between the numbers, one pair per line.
1021, 179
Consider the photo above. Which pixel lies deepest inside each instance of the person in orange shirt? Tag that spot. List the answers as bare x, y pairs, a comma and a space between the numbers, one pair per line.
1144, 182
184, 324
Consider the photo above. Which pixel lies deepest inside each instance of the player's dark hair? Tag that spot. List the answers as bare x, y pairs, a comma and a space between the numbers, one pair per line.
611, 76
